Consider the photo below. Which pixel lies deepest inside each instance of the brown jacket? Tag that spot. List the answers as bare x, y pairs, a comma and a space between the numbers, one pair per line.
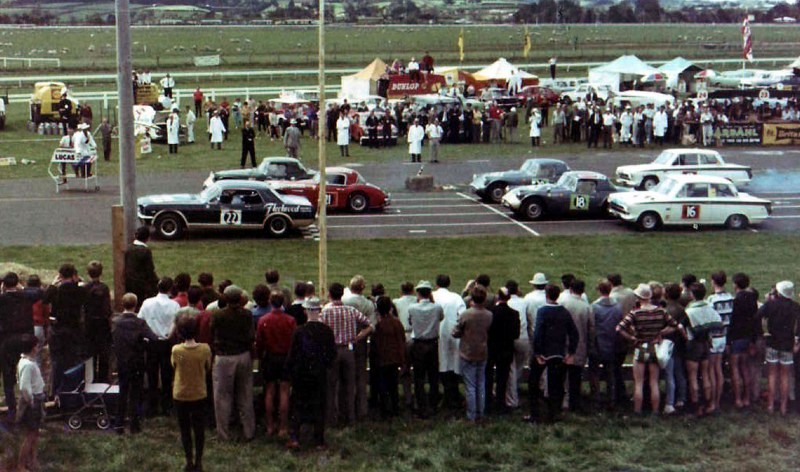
473, 329
390, 341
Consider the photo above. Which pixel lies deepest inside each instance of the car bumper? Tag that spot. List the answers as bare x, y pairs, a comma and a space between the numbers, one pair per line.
478, 190
626, 181
303, 223
511, 201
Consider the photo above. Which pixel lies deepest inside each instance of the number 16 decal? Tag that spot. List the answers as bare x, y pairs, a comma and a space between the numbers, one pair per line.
691, 212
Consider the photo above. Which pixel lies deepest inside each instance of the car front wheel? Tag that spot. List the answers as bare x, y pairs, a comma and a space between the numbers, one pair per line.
649, 221
357, 203
495, 192
169, 226
533, 209
277, 226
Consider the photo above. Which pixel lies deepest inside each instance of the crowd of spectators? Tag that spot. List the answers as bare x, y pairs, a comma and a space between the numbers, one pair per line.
204, 351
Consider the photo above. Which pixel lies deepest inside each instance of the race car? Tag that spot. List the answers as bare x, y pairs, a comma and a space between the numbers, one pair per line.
690, 200
229, 205
577, 193
491, 186
345, 189
271, 168
538, 95
682, 161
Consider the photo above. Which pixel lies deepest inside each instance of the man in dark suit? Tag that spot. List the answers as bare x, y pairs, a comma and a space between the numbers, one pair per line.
67, 342
502, 333
140, 273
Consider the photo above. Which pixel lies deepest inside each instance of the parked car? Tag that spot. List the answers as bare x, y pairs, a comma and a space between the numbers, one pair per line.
682, 161
229, 205
565, 84
362, 123
539, 95
577, 193
491, 186
160, 135
689, 200
345, 189
603, 93
271, 168
733, 78
500, 96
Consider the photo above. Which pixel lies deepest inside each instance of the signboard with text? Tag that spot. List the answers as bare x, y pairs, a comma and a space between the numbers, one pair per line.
733, 134
401, 85
781, 134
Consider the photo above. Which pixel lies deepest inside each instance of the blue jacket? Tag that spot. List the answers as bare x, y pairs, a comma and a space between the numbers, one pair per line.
607, 315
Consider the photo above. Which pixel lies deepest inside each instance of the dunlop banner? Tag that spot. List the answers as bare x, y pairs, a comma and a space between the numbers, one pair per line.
740, 133
781, 134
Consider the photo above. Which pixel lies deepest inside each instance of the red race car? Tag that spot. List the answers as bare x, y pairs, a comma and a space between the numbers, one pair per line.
539, 95
346, 189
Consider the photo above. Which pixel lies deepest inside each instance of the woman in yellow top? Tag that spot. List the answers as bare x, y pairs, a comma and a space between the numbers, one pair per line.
192, 362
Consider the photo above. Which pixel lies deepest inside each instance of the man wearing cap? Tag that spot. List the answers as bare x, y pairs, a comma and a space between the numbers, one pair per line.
291, 139
233, 333
350, 327
312, 354
449, 369
425, 317
781, 314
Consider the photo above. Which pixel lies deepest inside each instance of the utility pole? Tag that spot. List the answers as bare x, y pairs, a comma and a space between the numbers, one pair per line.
322, 202
127, 163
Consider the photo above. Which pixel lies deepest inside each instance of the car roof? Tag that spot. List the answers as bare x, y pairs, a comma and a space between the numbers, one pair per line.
546, 160
242, 184
693, 150
280, 159
586, 174
699, 178
340, 170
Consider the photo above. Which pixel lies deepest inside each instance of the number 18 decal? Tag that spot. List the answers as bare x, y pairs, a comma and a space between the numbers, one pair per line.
691, 212
579, 202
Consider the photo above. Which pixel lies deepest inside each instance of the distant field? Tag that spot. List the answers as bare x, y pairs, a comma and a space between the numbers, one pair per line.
93, 49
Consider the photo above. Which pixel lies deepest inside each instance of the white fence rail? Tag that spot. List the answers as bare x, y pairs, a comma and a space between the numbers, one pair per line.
30, 61
85, 79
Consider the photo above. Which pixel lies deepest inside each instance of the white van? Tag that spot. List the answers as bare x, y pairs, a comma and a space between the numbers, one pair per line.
566, 84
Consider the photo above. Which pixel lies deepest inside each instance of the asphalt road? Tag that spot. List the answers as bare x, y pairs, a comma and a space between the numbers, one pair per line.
32, 213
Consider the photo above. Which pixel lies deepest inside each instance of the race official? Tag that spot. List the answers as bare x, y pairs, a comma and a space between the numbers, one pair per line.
434, 132
248, 144
167, 83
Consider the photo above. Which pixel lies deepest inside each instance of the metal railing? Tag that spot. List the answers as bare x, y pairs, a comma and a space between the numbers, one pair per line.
31, 60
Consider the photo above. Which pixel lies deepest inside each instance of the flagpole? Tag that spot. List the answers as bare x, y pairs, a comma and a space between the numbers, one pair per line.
322, 149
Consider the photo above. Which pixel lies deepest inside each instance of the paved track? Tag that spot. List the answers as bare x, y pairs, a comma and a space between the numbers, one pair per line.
32, 213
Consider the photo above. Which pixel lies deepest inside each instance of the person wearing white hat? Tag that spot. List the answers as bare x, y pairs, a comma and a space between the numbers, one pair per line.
626, 121
291, 139
84, 148
782, 315
644, 327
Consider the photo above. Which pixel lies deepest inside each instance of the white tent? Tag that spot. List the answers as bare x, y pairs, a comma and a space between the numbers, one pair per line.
364, 82
680, 74
622, 69
501, 69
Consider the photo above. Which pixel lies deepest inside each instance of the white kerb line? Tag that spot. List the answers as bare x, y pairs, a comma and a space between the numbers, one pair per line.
495, 210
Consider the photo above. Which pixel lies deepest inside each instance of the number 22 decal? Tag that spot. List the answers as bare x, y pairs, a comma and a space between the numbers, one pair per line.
230, 217
690, 212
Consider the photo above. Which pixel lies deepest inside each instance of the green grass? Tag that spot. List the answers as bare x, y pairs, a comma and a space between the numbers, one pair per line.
638, 257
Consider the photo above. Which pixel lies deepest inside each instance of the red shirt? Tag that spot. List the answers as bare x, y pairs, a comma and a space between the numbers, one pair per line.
198, 96
274, 333
494, 112
204, 328
182, 298
41, 314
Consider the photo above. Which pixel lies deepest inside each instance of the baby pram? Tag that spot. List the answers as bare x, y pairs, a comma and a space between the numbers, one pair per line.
86, 399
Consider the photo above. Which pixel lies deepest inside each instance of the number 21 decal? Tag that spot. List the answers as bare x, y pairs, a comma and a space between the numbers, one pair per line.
691, 212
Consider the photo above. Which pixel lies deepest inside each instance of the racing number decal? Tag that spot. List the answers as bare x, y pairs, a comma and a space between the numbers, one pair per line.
691, 212
230, 217
579, 202
328, 199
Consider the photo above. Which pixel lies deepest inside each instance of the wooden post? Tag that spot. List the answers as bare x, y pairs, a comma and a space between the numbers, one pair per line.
118, 245
322, 201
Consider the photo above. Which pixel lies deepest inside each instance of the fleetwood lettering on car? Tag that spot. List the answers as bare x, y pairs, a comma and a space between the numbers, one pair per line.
491, 186
682, 161
271, 168
345, 189
690, 200
227, 204
577, 193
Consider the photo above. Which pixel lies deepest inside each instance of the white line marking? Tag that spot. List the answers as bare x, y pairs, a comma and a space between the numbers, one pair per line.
432, 225
44, 199
404, 215
784, 217
786, 206
504, 215
418, 231
437, 206
434, 199
478, 160
754, 230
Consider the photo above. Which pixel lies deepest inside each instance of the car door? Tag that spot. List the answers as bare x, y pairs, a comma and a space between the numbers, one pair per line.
691, 205
687, 163
584, 198
723, 202
336, 190
240, 207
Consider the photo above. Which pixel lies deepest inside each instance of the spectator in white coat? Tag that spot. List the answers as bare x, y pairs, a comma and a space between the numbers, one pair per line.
416, 134
173, 131
536, 130
660, 124
217, 130
190, 121
343, 134
449, 357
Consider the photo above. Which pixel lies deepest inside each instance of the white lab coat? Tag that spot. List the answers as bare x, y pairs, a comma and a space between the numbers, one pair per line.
536, 131
415, 136
343, 131
660, 124
190, 120
173, 129
452, 305
626, 120
217, 130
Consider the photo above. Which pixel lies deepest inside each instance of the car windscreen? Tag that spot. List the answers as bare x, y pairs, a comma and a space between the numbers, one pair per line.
665, 158
210, 193
665, 187
530, 167
567, 181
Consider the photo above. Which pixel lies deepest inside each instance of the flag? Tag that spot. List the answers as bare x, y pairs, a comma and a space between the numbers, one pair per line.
526, 47
461, 45
747, 41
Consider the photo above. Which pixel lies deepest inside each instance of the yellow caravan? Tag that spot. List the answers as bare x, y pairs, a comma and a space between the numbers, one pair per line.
45, 101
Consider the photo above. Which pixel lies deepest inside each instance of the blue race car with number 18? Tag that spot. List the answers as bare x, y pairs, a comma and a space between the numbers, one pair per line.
577, 193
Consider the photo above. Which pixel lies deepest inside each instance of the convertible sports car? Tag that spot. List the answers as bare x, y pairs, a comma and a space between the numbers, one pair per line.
230, 204
491, 186
682, 161
271, 168
689, 200
577, 193
345, 189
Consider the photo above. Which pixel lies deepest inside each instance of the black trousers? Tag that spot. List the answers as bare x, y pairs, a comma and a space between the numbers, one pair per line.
249, 150
9, 357
373, 138
159, 367
198, 107
555, 387
425, 361
192, 419
388, 396
173, 149
130, 397
307, 405
168, 92
98, 336
574, 377
498, 363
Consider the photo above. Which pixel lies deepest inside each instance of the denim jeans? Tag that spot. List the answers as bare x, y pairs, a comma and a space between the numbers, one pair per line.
474, 374
675, 375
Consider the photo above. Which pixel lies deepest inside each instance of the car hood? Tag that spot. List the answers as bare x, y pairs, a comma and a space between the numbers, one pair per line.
292, 184
631, 198
635, 168
244, 174
179, 198
539, 188
505, 174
